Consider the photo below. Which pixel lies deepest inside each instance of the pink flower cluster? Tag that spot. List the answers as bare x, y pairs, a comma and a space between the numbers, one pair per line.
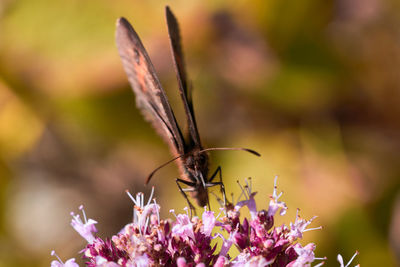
187, 242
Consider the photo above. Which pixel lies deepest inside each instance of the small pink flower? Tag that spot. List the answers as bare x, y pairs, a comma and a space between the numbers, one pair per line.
226, 244
86, 229
300, 226
208, 222
249, 261
59, 263
250, 201
183, 228
68, 263
274, 204
142, 211
305, 255
103, 262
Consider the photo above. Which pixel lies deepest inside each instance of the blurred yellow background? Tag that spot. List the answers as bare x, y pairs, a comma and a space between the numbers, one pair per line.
314, 86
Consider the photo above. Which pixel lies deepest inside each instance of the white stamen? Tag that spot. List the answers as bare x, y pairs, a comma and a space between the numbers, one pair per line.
83, 212
53, 253
158, 212
187, 210
151, 196
243, 191
216, 217
312, 229
173, 212
130, 196
138, 199
251, 184
238, 199
145, 225
76, 217
352, 258
274, 194
135, 217
248, 185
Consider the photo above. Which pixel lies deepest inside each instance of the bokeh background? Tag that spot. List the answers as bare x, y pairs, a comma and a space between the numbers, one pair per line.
314, 86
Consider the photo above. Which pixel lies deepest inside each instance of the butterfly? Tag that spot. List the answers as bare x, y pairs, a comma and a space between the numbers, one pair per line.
192, 159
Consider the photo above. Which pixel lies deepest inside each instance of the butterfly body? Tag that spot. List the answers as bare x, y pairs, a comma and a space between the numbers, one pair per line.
194, 168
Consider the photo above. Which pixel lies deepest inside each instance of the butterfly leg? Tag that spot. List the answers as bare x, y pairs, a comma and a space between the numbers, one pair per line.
220, 183
183, 190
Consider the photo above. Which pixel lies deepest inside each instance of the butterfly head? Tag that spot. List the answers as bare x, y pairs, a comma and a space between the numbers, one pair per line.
196, 165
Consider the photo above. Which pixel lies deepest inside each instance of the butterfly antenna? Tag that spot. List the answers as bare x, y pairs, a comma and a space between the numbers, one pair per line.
160, 167
201, 151
232, 148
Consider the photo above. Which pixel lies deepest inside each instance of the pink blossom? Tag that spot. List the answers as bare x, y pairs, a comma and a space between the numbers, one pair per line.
274, 204
183, 227
86, 229
68, 263
186, 241
103, 262
59, 263
208, 222
306, 255
300, 226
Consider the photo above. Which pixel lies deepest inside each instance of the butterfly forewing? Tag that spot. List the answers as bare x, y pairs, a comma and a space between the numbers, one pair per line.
150, 97
185, 92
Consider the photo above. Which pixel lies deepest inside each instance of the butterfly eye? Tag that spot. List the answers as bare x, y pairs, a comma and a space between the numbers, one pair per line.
190, 162
202, 159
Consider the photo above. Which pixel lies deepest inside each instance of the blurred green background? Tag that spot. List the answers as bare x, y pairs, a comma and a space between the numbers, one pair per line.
314, 86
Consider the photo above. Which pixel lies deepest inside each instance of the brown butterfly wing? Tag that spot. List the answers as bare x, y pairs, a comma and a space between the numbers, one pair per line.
150, 97
179, 63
